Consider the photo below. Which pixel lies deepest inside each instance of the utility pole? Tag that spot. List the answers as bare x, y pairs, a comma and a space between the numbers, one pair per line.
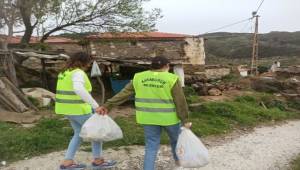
254, 61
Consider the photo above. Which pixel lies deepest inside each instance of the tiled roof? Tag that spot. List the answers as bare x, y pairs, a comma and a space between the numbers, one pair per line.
138, 35
108, 36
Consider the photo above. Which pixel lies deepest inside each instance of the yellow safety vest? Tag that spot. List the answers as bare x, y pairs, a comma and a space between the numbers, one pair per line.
67, 102
153, 99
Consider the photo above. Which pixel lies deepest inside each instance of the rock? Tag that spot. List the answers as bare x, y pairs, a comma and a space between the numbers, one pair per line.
222, 87
267, 84
43, 96
33, 63
214, 92
200, 88
208, 85
292, 85
286, 73
195, 86
287, 85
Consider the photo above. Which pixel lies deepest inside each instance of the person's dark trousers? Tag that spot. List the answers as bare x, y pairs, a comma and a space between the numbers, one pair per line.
152, 139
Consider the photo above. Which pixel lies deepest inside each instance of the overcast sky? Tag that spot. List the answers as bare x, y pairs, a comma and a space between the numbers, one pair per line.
201, 16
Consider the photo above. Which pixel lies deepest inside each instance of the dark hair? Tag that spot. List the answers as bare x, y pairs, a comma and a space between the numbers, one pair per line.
78, 60
159, 62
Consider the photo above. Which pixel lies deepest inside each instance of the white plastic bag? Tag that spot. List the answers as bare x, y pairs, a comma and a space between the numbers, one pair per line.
190, 150
95, 70
100, 128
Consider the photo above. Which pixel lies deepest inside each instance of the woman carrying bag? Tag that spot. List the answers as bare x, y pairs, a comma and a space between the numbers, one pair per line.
73, 100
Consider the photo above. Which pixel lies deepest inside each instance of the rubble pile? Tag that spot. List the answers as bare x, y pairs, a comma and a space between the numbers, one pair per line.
285, 81
215, 87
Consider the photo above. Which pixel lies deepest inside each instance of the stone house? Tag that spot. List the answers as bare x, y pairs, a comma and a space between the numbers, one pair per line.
179, 48
124, 52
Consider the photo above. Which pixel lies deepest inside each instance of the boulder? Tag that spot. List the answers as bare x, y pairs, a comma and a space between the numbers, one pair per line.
202, 90
292, 85
214, 92
267, 84
286, 73
32, 63
42, 96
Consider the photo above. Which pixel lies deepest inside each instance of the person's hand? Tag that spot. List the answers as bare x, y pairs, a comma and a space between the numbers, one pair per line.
188, 125
101, 110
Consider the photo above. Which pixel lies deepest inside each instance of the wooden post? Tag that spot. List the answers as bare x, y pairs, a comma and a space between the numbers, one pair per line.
254, 61
44, 74
8, 66
9, 99
102, 90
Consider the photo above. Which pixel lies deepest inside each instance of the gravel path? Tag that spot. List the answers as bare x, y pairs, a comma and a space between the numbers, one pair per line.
266, 148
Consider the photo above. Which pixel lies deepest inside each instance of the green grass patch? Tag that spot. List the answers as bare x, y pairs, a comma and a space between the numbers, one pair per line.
231, 78
19, 143
295, 164
210, 118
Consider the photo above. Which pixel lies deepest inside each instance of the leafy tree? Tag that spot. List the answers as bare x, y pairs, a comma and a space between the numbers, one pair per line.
35, 13
9, 15
9, 18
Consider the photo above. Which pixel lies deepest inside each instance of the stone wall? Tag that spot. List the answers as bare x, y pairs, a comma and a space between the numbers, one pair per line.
188, 50
194, 51
67, 48
216, 72
138, 49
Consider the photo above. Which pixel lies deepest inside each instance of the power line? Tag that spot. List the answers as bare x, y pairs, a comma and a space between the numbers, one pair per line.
259, 5
235, 23
246, 27
248, 35
229, 25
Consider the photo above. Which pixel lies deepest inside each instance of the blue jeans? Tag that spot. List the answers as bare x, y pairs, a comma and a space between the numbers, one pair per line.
76, 122
152, 139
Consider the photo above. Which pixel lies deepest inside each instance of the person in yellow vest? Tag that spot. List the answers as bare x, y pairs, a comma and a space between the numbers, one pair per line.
160, 104
74, 101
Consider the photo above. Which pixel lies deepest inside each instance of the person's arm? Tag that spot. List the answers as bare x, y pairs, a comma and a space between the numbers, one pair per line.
180, 102
79, 89
121, 97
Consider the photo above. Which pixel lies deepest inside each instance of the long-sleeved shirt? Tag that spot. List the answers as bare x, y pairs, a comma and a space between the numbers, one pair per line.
177, 94
79, 89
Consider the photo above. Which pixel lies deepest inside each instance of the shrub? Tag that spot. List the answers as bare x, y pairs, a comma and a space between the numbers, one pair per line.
262, 69
189, 91
231, 78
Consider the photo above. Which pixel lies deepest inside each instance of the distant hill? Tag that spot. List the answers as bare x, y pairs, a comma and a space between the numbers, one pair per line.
239, 45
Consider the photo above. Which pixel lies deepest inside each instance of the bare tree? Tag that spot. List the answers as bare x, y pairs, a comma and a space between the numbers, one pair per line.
85, 15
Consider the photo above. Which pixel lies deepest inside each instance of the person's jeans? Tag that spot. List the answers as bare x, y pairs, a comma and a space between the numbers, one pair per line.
76, 122
152, 139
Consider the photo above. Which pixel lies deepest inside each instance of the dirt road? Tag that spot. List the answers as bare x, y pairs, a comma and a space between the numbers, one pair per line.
266, 148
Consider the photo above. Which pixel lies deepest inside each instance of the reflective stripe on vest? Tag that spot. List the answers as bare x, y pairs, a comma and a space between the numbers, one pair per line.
156, 110
67, 102
64, 92
153, 100
144, 100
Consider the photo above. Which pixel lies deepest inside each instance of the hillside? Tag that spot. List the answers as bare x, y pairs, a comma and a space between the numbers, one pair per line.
239, 45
